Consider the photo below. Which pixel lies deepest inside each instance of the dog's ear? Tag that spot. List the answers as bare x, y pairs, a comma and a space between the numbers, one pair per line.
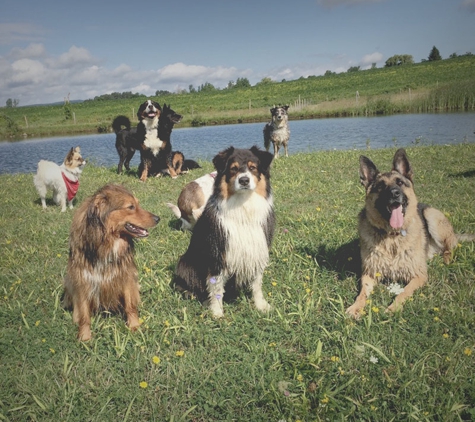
69, 157
221, 159
77, 149
368, 171
286, 107
401, 164
265, 158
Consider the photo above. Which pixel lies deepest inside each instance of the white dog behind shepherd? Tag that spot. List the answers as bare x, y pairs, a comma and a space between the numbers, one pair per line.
63, 179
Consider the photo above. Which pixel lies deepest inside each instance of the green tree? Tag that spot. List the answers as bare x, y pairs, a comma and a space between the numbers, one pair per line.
353, 69
242, 83
434, 54
399, 59
9, 103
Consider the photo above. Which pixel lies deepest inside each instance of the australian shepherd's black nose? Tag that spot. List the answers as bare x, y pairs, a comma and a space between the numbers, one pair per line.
231, 240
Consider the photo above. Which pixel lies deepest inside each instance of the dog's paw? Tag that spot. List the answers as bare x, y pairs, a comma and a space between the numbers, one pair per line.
354, 311
263, 306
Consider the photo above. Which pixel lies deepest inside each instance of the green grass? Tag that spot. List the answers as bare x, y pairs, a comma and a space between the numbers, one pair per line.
424, 87
303, 361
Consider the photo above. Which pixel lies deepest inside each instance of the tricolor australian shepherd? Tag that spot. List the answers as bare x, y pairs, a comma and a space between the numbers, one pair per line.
277, 130
101, 273
231, 239
63, 180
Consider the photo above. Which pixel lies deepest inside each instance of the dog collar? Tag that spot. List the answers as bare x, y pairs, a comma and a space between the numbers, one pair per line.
71, 185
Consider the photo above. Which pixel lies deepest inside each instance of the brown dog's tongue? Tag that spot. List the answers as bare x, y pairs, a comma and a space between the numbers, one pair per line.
397, 219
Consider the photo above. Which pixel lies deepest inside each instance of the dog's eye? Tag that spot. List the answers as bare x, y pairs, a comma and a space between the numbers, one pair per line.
399, 182
252, 168
131, 207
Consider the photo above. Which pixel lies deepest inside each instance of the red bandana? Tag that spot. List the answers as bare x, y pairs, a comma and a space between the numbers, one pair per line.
71, 186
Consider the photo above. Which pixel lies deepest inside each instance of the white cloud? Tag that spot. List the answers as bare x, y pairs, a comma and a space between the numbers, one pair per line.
468, 5
34, 50
14, 32
369, 59
33, 76
335, 3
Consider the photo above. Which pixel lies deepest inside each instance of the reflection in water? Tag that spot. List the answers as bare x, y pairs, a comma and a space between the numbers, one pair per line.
306, 135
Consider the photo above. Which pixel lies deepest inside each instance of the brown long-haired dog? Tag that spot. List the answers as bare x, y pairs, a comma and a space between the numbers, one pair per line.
101, 273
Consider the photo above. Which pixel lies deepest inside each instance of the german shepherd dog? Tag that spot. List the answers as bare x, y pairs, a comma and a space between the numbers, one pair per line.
277, 130
397, 234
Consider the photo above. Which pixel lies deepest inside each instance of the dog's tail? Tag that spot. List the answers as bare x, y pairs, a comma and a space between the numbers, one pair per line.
189, 165
176, 211
120, 121
465, 237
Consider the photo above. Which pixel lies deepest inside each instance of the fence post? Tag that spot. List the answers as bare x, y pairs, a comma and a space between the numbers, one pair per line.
26, 121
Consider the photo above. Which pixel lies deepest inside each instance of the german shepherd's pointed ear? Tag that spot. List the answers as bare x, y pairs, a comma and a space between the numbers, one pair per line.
368, 171
221, 159
401, 164
265, 159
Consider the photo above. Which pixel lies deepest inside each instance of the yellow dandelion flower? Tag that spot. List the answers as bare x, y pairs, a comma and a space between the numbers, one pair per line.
436, 319
143, 384
467, 351
37, 323
445, 335
8, 242
299, 377
436, 309
141, 320
180, 353
334, 358
59, 255
350, 258
342, 372
375, 309
377, 275
325, 400
156, 360
274, 283
52, 351
43, 340
307, 277
272, 344
269, 294
166, 323
318, 209
308, 291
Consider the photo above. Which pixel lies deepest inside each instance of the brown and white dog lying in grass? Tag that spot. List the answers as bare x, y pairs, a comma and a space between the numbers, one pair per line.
192, 200
101, 273
63, 179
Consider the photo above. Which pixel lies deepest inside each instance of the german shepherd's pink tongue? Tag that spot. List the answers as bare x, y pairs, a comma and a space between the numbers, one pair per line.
397, 218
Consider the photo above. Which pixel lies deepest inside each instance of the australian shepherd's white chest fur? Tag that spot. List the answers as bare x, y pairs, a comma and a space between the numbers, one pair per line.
231, 240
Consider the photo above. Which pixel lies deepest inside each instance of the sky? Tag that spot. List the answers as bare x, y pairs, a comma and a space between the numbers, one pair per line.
50, 49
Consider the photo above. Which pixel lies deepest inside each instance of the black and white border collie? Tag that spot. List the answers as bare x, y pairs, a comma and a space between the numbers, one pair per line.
277, 130
231, 239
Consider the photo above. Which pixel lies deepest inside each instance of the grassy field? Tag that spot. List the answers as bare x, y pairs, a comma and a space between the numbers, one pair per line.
424, 87
304, 361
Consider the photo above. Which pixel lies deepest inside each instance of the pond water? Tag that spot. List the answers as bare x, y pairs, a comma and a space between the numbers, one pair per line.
204, 143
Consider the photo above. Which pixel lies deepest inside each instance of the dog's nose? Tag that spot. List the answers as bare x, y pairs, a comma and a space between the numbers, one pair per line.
396, 193
244, 181
156, 218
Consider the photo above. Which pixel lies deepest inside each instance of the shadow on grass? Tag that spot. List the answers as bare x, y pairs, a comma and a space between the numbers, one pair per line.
344, 260
464, 174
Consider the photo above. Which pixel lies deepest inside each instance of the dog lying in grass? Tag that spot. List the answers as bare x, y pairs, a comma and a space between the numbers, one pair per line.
397, 233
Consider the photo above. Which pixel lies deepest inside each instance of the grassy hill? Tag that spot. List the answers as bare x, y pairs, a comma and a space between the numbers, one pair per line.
424, 87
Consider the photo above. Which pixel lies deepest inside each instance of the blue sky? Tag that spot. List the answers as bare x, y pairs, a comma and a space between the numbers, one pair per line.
50, 48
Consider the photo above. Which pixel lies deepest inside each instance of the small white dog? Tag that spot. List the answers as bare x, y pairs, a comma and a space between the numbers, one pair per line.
63, 179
